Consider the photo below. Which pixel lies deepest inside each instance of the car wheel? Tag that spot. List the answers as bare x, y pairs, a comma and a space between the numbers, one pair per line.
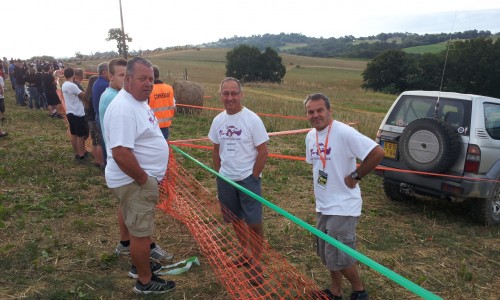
429, 145
392, 192
489, 209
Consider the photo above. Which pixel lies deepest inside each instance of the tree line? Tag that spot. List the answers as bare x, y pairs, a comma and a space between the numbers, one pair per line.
347, 46
470, 66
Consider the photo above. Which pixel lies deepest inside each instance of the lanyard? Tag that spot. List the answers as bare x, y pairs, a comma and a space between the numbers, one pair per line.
323, 158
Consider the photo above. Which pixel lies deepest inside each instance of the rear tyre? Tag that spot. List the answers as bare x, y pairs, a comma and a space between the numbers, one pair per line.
488, 210
392, 192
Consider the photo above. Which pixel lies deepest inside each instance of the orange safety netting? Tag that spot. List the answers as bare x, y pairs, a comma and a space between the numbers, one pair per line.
185, 199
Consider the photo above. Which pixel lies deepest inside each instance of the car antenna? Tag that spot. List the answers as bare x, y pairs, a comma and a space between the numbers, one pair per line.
436, 107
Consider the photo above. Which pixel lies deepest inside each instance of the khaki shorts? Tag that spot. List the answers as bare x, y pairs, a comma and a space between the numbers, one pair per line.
343, 229
138, 206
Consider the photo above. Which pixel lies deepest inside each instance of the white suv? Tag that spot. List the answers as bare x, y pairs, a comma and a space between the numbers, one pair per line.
443, 145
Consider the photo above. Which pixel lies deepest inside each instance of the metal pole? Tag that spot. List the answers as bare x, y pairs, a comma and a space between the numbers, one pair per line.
123, 33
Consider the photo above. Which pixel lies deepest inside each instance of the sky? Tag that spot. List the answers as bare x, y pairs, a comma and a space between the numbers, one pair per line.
61, 28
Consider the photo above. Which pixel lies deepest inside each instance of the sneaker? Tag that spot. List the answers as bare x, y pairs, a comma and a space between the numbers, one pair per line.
122, 250
154, 266
155, 286
359, 296
157, 253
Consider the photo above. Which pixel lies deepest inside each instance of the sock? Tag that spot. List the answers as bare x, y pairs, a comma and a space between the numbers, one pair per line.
152, 246
125, 243
358, 292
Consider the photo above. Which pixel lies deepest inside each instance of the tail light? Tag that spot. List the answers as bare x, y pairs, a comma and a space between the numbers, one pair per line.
377, 137
472, 159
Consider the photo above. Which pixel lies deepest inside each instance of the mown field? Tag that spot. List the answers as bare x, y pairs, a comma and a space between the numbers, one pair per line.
58, 223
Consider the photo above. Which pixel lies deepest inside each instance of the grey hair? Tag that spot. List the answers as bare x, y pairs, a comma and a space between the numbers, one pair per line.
231, 79
318, 96
137, 60
102, 67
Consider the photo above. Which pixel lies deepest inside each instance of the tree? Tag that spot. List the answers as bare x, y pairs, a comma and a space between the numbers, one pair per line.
117, 34
271, 66
387, 72
247, 63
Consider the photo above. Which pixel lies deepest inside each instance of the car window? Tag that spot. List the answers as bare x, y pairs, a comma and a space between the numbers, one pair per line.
410, 108
492, 119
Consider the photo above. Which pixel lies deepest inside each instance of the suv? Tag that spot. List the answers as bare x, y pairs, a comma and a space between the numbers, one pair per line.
443, 145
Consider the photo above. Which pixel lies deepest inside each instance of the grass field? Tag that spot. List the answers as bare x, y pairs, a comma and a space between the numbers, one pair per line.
434, 48
58, 219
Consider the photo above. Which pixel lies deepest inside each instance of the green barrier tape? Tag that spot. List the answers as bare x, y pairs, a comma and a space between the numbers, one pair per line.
416, 289
186, 265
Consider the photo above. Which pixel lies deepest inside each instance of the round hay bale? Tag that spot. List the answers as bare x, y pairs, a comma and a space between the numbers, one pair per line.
190, 93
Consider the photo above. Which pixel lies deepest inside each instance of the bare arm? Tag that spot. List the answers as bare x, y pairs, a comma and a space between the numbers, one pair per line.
127, 162
371, 161
261, 159
216, 157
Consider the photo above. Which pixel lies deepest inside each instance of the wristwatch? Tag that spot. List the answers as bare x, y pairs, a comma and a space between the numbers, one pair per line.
354, 175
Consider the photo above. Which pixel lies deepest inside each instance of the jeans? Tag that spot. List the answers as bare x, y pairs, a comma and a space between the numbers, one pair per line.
165, 131
20, 94
34, 96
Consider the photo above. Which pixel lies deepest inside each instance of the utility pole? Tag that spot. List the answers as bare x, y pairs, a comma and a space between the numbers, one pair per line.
123, 33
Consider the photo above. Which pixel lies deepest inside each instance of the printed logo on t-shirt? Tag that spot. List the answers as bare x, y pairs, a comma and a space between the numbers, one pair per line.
229, 132
152, 118
315, 154
314, 150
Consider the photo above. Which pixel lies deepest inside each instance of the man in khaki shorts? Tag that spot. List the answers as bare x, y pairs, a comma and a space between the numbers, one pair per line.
137, 160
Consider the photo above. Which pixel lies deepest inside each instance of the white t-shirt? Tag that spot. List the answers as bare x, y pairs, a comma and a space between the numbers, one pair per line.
345, 144
73, 104
2, 89
238, 136
132, 124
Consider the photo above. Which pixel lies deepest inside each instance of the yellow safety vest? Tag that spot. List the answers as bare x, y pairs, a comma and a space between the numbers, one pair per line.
161, 102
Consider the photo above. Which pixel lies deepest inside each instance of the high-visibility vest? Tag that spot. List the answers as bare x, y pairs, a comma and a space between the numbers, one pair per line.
161, 102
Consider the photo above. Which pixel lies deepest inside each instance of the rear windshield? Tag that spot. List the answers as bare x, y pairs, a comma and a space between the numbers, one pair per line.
492, 119
410, 108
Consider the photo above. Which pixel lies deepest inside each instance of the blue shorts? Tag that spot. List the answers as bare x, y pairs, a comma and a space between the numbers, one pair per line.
236, 203
343, 229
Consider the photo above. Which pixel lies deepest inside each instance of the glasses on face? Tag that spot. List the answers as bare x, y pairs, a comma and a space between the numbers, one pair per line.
232, 94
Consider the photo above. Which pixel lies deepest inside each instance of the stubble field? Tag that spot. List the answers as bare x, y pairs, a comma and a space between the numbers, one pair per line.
58, 219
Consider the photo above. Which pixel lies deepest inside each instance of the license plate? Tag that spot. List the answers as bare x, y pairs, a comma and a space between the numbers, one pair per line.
390, 150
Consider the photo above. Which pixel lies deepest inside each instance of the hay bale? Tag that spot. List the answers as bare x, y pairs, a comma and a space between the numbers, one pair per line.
190, 93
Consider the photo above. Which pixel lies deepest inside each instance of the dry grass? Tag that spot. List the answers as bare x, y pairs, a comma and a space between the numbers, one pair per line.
58, 220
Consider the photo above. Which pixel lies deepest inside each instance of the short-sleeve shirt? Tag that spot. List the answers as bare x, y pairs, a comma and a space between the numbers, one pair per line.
237, 135
345, 144
132, 124
73, 104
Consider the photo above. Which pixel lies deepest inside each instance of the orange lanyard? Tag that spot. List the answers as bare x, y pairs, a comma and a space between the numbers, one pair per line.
323, 158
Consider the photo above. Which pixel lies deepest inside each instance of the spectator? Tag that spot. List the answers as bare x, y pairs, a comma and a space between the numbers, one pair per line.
75, 114
99, 86
162, 102
32, 80
332, 148
90, 115
240, 153
50, 91
137, 161
20, 75
2, 100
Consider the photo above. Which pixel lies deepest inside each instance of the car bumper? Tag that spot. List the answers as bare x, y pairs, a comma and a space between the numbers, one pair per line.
471, 186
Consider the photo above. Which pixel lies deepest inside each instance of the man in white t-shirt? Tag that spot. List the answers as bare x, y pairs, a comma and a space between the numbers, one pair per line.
240, 153
75, 113
332, 148
137, 161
